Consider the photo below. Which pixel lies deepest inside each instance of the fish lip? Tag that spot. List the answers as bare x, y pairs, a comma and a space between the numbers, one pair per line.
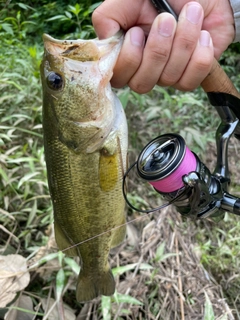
92, 50
117, 36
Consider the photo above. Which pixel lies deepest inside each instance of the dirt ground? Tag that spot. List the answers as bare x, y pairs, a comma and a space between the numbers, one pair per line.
179, 284
175, 285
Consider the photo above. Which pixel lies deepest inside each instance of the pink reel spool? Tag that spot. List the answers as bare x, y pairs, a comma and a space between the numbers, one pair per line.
164, 161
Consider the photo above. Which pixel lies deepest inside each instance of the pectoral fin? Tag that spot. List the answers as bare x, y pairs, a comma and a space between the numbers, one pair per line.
108, 170
63, 242
119, 234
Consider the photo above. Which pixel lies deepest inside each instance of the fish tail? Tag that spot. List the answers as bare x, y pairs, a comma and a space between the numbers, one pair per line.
90, 287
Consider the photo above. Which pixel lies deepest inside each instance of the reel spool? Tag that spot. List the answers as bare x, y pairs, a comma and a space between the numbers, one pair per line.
164, 161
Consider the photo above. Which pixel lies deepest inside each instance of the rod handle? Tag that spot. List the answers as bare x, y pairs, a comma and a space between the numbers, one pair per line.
218, 81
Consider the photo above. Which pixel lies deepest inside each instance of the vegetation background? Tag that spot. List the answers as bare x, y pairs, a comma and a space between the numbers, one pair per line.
168, 268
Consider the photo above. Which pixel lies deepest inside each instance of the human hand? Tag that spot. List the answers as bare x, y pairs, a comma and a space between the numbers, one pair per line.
174, 54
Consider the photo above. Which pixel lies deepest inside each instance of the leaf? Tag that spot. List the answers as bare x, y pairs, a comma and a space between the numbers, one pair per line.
28, 22
168, 113
32, 214
25, 6
94, 6
160, 251
27, 177
21, 309
106, 307
7, 27
208, 313
122, 269
45, 259
27, 159
153, 113
74, 9
13, 83
72, 264
14, 277
60, 282
4, 176
6, 97
58, 17
124, 97
124, 298
196, 135
47, 304
160, 256
68, 14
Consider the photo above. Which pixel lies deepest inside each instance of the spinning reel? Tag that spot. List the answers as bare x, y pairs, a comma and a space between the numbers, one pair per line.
178, 174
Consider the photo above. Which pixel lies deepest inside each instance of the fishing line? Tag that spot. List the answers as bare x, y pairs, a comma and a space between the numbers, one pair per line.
179, 194
115, 228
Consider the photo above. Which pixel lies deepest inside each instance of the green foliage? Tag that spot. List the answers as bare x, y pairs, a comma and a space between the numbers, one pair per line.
209, 313
160, 255
25, 206
73, 18
23, 182
59, 18
220, 249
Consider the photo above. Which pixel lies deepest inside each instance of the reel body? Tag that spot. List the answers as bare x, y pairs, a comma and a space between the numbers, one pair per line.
172, 169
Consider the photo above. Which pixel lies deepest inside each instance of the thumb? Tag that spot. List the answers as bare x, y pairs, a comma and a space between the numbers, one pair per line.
104, 26
112, 15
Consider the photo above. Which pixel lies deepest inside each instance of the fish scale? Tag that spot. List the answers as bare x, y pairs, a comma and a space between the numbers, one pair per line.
85, 142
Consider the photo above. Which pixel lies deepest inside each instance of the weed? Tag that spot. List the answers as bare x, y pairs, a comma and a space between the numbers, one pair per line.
144, 290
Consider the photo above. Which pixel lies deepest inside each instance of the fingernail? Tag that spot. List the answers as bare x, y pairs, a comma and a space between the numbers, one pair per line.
205, 38
194, 13
137, 37
166, 25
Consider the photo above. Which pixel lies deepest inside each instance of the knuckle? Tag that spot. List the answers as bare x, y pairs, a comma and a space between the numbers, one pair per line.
203, 64
185, 87
131, 56
118, 81
132, 61
159, 54
168, 78
188, 44
139, 87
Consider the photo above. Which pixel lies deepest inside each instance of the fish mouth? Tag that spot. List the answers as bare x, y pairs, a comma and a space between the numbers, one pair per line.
82, 50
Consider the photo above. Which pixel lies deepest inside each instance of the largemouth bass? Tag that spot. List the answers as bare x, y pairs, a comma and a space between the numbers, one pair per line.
85, 141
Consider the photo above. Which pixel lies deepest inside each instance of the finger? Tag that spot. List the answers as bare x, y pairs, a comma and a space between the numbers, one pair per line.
199, 65
185, 42
105, 27
129, 58
156, 53
112, 15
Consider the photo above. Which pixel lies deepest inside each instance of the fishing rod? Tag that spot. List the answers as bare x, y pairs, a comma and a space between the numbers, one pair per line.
177, 173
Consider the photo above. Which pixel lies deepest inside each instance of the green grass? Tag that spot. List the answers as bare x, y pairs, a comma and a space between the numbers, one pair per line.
25, 206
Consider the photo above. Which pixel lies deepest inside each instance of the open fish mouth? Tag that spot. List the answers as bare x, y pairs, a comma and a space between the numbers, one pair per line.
82, 50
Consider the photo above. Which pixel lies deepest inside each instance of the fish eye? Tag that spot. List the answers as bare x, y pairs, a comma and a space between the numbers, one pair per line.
55, 81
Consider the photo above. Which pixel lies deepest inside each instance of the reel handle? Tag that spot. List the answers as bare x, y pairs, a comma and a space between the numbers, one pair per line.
218, 81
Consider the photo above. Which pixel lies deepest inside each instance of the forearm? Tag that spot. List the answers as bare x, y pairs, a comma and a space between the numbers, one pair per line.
235, 4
